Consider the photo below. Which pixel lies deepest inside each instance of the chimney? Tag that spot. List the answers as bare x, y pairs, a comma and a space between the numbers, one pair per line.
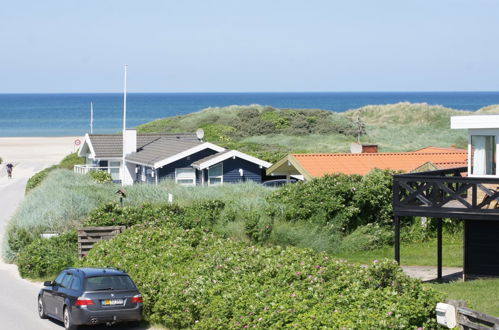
130, 142
369, 148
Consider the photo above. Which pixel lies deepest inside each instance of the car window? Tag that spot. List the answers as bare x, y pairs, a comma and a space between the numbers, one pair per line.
66, 281
76, 284
59, 278
109, 282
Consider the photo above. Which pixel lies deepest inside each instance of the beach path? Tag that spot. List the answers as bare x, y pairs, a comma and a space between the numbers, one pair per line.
18, 308
28, 155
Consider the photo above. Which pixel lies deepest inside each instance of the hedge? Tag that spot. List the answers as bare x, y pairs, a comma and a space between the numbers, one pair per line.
195, 278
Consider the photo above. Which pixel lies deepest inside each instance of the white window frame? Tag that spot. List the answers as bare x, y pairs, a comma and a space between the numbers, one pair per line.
483, 132
114, 167
188, 174
221, 176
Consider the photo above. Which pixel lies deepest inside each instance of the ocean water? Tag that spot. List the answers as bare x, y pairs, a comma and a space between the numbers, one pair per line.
69, 114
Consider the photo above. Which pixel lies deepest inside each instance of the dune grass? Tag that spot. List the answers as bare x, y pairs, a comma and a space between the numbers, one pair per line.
396, 127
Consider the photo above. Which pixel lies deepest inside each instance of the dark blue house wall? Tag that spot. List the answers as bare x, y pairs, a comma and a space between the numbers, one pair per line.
168, 171
251, 171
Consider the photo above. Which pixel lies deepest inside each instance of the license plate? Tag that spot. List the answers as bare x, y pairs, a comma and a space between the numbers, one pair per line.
112, 302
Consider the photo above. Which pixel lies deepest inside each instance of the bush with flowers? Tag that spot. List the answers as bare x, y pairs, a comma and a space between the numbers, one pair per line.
196, 278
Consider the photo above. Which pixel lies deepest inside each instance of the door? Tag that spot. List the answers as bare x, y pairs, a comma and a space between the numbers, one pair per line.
60, 294
481, 248
48, 295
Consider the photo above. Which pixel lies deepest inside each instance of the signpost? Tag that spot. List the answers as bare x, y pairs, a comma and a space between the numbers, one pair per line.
77, 144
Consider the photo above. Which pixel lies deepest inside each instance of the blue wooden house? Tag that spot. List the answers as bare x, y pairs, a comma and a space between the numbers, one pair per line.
184, 158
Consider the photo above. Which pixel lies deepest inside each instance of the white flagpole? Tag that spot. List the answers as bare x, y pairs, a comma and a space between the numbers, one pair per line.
91, 118
124, 129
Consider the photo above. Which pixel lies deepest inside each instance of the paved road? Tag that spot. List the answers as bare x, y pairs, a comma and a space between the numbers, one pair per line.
18, 309
18, 303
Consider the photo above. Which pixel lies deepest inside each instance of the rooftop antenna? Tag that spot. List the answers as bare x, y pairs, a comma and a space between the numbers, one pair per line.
91, 118
360, 129
124, 130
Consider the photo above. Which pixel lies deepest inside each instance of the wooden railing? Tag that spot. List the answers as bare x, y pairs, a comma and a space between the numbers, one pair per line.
470, 319
84, 169
445, 194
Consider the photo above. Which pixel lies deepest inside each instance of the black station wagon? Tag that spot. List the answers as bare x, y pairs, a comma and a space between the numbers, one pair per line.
90, 296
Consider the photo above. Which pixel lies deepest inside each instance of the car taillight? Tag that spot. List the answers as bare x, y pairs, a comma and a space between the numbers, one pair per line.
84, 302
137, 299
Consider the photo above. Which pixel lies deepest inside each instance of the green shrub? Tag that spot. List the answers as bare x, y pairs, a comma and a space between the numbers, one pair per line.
204, 213
325, 201
339, 202
373, 197
305, 235
368, 237
45, 257
101, 176
195, 278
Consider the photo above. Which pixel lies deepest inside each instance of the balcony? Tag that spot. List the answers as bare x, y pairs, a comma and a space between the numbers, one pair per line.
113, 170
446, 194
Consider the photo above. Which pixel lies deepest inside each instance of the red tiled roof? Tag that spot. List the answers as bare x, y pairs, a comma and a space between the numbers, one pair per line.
318, 165
444, 166
440, 149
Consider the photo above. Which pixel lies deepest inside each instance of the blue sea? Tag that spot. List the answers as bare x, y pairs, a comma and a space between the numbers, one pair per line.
69, 114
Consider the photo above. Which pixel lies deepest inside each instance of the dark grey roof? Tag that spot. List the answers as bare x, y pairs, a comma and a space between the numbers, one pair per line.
111, 145
161, 149
202, 160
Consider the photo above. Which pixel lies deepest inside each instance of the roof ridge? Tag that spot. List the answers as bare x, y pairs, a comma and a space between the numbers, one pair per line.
381, 153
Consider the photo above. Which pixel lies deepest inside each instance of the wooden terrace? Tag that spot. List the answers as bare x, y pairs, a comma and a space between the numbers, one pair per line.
447, 194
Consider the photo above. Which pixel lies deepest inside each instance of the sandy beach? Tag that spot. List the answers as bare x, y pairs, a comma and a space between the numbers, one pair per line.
32, 154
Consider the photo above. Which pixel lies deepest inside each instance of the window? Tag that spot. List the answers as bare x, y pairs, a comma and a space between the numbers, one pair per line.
215, 175
66, 281
483, 151
185, 176
114, 170
109, 282
59, 278
76, 284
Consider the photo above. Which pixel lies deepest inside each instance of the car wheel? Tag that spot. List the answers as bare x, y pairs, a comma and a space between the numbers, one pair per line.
68, 323
41, 308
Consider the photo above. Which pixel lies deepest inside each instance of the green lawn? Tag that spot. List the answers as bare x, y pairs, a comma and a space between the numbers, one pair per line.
418, 254
480, 295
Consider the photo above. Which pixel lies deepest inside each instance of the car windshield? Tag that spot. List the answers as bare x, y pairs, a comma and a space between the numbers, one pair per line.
109, 282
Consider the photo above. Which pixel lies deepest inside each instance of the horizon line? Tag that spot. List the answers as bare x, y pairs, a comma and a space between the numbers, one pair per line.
256, 92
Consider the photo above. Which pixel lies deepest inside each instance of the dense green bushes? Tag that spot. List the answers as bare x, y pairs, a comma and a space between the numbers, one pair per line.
101, 176
194, 278
339, 202
45, 257
204, 213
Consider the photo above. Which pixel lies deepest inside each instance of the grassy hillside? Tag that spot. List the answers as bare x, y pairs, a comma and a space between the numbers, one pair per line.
271, 133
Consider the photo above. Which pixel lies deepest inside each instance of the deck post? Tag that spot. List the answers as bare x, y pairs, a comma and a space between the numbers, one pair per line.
397, 239
439, 249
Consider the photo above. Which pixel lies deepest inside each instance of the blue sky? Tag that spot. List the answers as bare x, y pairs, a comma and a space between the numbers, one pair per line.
247, 46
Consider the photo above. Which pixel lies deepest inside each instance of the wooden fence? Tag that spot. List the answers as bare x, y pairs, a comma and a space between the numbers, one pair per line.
88, 236
470, 319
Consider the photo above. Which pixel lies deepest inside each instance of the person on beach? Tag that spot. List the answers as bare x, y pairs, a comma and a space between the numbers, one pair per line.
9, 169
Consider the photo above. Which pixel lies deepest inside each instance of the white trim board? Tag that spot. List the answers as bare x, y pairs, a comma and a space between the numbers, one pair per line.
90, 147
232, 153
188, 152
474, 122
